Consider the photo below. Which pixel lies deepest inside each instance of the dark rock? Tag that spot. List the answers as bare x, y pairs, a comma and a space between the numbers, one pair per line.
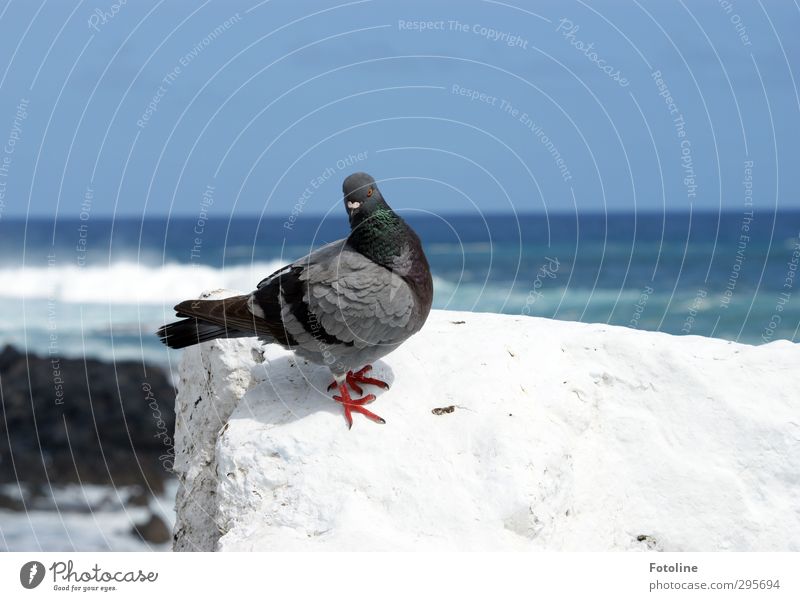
139, 498
8, 502
84, 420
154, 530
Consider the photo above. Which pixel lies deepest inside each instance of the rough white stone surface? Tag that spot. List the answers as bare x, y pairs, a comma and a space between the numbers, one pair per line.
213, 378
563, 436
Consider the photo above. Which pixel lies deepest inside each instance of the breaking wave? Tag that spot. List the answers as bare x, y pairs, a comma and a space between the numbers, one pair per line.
128, 283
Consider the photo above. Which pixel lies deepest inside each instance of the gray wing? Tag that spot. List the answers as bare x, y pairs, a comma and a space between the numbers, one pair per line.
359, 301
338, 297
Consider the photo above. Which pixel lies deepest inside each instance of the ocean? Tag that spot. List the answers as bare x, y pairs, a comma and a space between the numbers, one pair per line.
101, 287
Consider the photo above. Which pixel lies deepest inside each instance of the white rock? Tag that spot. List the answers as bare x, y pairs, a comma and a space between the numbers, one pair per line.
213, 379
564, 436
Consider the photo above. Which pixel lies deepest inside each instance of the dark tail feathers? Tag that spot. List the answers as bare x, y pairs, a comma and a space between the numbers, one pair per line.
191, 331
208, 319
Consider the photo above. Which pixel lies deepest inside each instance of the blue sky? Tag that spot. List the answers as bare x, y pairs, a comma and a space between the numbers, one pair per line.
469, 106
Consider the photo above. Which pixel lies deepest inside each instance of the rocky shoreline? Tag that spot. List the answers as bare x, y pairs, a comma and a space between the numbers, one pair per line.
82, 421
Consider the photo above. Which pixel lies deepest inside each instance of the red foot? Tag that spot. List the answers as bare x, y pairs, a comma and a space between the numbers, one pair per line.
353, 379
356, 405
356, 378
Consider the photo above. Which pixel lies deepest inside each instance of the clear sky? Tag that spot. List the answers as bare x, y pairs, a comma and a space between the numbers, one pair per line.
238, 107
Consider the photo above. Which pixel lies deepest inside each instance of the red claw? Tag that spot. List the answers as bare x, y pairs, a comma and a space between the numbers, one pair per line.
359, 377
356, 378
350, 404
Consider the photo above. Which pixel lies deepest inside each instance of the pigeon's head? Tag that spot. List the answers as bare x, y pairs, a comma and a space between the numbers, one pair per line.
361, 195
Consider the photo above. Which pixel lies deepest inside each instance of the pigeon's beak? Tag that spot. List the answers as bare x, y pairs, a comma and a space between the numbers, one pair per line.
352, 205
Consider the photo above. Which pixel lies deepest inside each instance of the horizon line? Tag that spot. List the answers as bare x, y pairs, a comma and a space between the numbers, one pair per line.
554, 212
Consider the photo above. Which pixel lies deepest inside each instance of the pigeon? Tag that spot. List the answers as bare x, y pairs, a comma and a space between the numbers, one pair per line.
344, 305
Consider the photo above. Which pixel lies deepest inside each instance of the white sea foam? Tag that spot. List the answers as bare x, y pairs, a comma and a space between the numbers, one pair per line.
128, 283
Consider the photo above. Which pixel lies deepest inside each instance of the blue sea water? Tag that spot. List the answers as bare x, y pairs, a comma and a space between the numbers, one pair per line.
101, 287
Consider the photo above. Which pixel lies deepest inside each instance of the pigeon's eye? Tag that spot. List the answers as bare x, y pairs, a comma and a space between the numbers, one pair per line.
369, 192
